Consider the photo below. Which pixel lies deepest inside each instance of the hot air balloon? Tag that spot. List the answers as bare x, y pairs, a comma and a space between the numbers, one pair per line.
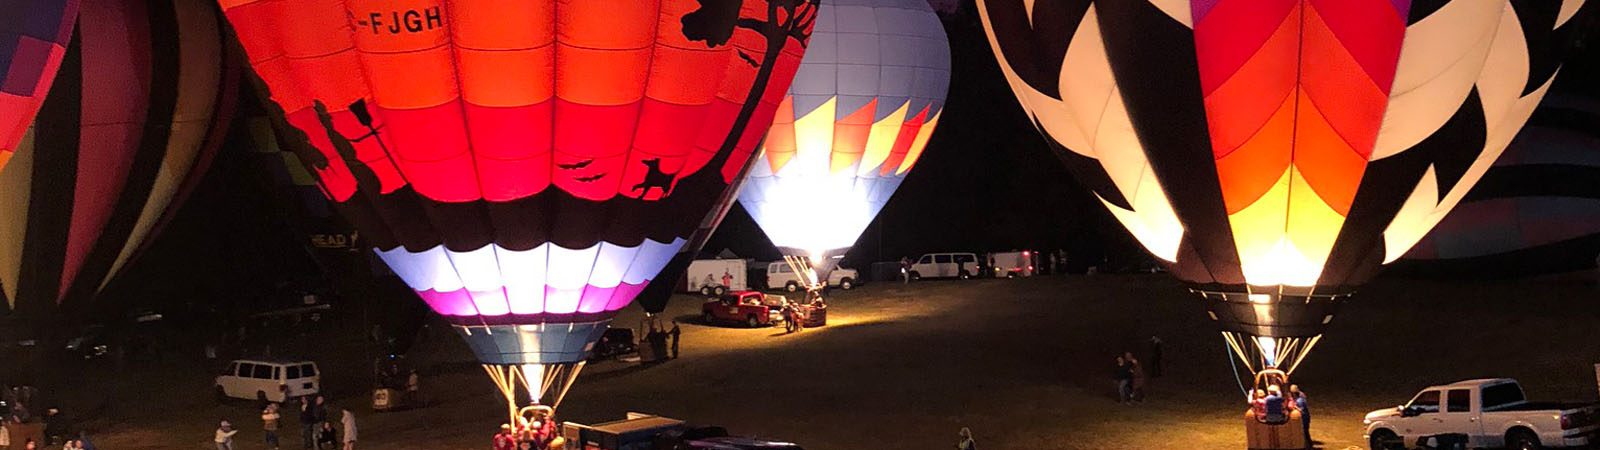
33, 38
861, 109
1275, 153
525, 167
1536, 213
142, 100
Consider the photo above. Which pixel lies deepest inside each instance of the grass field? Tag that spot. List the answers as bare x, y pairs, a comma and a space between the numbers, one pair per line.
1024, 363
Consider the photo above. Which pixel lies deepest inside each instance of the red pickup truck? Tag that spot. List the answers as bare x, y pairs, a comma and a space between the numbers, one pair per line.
751, 308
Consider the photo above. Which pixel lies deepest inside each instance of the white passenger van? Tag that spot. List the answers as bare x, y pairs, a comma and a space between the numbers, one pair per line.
945, 265
274, 380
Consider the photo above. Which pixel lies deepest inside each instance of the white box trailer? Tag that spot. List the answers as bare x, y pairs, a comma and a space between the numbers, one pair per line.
1013, 264
717, 276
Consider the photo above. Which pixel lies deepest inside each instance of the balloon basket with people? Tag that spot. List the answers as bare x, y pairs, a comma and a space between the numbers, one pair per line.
1274, 421
533, 428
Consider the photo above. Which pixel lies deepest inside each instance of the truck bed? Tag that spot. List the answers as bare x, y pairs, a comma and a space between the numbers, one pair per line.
1547, 406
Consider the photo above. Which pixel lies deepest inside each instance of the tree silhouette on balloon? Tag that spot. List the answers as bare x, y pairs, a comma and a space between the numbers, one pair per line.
715, 22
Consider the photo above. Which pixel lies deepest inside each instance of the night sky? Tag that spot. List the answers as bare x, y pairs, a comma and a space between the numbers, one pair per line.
987, 182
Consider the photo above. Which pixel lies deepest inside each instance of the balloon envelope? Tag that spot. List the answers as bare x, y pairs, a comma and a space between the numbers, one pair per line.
525, 167
1274, 154
1537, 210
33, 38
862, 107
141, 102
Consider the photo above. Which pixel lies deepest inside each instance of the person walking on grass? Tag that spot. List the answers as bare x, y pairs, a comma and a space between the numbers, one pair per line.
1123, 377
269, 425
966, 443
348, 421
224, 437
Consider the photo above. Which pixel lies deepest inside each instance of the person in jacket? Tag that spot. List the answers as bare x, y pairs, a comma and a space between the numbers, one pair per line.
348, 421
269, 425
224, 437
506, 439
1276, 412
5, 436
1299, 398
1258, 404
1137, 394
327, 437
1123, 376
308, 423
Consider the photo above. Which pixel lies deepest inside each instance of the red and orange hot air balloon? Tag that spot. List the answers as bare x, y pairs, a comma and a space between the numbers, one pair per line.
1275, 153
526, 167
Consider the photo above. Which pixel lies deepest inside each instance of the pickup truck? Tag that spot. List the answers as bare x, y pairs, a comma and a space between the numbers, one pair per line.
1485, 413
751, 308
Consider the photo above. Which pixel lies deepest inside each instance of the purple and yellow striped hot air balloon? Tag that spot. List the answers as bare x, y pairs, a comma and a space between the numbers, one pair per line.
862, 108
33, 38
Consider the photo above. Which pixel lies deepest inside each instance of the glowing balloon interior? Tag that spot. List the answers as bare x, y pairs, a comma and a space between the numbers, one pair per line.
1275, 153
862, 108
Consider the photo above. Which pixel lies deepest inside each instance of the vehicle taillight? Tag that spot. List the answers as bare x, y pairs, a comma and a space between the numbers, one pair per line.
1030, 268
1566, 422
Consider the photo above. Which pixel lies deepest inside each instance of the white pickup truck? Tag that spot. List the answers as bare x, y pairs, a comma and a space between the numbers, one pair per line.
1486, 413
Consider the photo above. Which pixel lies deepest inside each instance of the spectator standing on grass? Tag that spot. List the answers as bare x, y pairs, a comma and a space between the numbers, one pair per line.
966, 443
414, 388
320, 409
5, 436
1137, 394
308, 423
30, 445
1123, 376
1155, 357
84, 442
676, 334
224, 439
269, 425
348, 421
905, 270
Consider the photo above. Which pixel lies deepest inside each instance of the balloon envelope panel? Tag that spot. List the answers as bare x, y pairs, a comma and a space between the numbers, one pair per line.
862, 107
33, 39
138, 106
1537, 210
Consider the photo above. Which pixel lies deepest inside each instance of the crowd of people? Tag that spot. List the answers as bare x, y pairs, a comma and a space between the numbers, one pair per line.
316, 431
541, 433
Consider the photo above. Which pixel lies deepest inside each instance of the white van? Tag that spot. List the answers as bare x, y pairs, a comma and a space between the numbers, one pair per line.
712, 277
945, 265
268, 380
1012, 264
781, 276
